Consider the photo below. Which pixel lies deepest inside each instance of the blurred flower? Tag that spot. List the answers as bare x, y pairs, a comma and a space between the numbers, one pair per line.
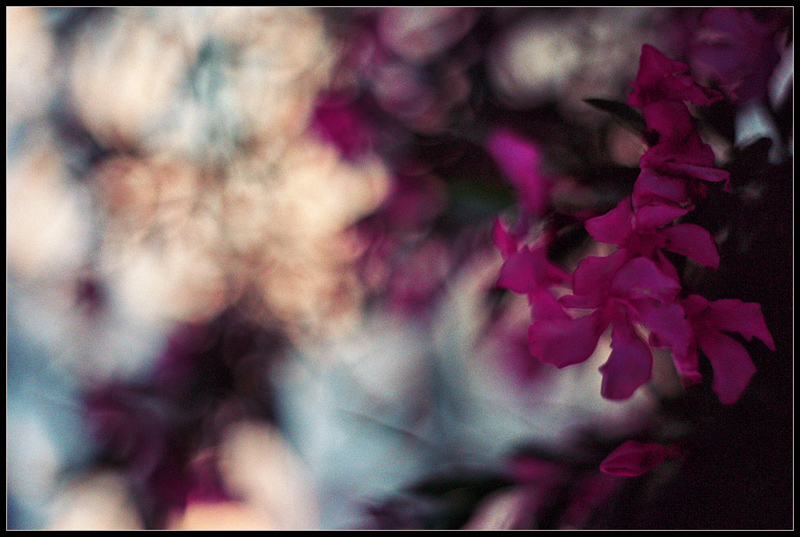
421, 34
261, 467
219, 79
634, 458
339, 121
48, 232
736, 51
520, 161
410, 61
547, 494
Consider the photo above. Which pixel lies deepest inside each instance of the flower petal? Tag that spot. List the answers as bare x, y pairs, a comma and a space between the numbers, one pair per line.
732, 366
545, 306
661, 78
580, 301
517, 273
694, 305
593, 274
668, 153
503, 239
641, 278
687, 366
658, 212
519, 160
651, 182
668, 322
528, 269
746, 318
670, 119
564, 342
706, 173
693, 241
629, 365
634, 458
615, 226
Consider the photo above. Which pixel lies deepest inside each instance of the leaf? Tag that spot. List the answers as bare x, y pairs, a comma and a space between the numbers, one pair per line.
628, 116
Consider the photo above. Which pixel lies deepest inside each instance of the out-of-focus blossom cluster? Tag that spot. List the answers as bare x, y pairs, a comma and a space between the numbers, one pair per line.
387, 267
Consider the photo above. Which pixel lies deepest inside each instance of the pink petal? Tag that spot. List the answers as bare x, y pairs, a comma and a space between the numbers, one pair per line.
654, 67
661, 78
736, 51
657, 213
689, 150
641, 278
629, 365
733, 315
593, 274
528, 269
693, 241
670, 119
694, 305
634, 458
705, 173
686, 366
615, 226
668, 322
503, 239
545, 306
556, 275
519, 161
665, 266
732, 366
566, 341
580, 301
517, 273
654, 183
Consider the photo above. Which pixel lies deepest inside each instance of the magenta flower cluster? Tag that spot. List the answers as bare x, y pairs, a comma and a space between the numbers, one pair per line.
638, 286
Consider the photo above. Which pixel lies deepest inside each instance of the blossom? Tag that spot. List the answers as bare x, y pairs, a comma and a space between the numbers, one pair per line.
527, 271
519, 160
661, 78
623, 292
661, 87
644, 233
525, 268
634, 458
730, 361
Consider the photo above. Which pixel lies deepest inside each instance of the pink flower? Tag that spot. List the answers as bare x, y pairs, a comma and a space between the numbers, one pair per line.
519, 160
660, 78
634, 458
527, 271
730, 361
623, 292
661, 87
643, 233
